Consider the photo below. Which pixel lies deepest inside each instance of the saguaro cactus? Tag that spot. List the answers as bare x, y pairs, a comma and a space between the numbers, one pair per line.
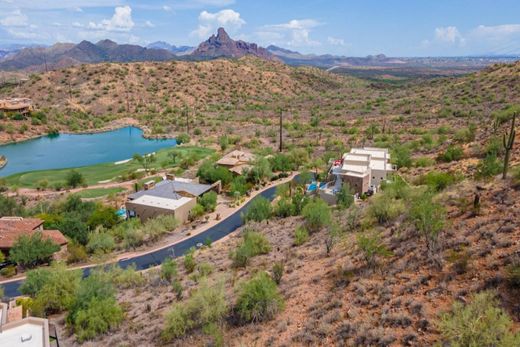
508, 145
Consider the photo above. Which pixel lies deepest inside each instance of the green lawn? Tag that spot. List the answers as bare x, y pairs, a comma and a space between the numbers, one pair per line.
98, 192
102, 172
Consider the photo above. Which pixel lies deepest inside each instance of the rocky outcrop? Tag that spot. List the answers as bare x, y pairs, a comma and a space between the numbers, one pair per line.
222, 45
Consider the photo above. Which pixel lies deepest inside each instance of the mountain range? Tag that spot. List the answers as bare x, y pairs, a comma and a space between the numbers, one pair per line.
59, 55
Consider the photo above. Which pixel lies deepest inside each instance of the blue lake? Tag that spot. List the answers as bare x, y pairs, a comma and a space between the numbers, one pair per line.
65, 151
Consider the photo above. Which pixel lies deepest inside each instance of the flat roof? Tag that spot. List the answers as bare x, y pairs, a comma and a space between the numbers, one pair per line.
354, 167
28, 332
164, 203
168, 189
380, 153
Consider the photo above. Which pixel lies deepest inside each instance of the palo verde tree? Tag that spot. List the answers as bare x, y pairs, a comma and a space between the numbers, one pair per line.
145, 160
508, 142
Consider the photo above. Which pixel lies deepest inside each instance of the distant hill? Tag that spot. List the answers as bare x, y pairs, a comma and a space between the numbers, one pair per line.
222, 45
67, 54
177, 50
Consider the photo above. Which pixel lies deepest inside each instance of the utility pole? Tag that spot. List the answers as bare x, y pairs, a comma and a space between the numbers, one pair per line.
281, 118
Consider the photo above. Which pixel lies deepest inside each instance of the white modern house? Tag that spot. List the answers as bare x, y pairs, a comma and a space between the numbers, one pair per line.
363, 169
22, 332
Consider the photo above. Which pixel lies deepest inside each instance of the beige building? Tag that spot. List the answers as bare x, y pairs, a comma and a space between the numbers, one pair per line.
149, 206
16, 331
175, 197
13, 105
363, 169
237, 161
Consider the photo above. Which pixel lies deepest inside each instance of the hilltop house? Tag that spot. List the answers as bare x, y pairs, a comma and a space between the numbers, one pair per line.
363, 169
237, 161
16, 105
11, 228
175, 196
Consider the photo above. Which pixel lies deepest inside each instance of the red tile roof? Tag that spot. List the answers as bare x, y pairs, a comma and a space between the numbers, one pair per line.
12, 228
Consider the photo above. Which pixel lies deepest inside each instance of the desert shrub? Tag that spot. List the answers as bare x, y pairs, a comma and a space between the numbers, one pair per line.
429, 219
385, 209
76, 252
100, 242
423, 162
285, 208
119, 277
30, 251
97, 318
371, 246
277, 272
301, 235
460, 260
95, 309
253, 244
189, 260
74, 179
345, 197
53, 289
452, 153
208, 201
206, 306
479, 323
259, 210
8, 271
238, 185
396, 189
258, 299
489, 166
169, 269
202, 270
401, 156
281, 162
103, 215
10, 207
211, 173
437, 180
196, 212
157, 227
260, 172
317, 215
513, 274
182, 138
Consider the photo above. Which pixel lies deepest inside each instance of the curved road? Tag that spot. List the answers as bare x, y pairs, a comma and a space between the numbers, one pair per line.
142, 262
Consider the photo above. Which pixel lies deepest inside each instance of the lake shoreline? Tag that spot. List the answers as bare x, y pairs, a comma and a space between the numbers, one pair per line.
108, 145
118, 124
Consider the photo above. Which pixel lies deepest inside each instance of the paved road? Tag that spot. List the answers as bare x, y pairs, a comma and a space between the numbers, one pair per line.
142, 262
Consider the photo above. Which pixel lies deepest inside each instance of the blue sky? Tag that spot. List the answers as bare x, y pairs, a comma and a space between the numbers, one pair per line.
353, 28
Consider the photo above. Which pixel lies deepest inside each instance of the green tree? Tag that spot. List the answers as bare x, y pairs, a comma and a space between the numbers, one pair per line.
208, 201
182, 138
402, 156
301, 235
30, 251
317, 215
206, 308
258, 299
479, 323
372, 246
169, 269
253, 244
146, 161
259, 209
189, 260
429, 218
345, 198
74, 179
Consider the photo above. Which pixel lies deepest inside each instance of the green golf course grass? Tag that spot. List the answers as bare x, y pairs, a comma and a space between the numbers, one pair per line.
94, 174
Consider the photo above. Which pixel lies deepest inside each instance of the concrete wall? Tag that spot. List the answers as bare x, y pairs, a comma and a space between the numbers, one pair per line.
358, 185
146, 212
378, 176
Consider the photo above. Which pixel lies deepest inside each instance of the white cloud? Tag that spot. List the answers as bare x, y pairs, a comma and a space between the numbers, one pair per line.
149, 24
335, 41
15, 19
297, 31
449, 35
167, 8
497, 31
209, 22
121, 21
